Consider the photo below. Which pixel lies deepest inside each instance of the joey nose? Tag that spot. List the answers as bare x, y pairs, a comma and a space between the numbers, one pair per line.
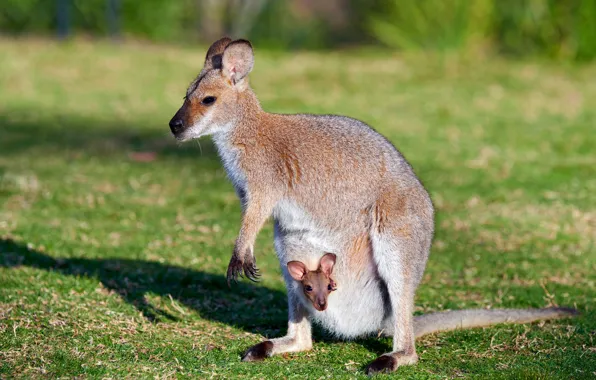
322, 305
176, 125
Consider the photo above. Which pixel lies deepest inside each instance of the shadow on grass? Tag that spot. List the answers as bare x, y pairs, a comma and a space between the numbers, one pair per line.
250, 307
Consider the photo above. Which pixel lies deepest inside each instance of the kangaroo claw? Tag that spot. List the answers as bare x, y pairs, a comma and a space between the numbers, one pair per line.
251, 271
234, 270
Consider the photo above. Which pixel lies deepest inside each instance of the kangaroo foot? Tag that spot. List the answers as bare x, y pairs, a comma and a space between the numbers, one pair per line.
258, 352
390, 362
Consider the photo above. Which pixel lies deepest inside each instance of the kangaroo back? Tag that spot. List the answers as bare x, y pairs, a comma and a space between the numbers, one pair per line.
465, 319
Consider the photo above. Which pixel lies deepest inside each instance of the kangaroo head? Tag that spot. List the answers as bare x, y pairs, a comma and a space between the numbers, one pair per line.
213, 101
317, 284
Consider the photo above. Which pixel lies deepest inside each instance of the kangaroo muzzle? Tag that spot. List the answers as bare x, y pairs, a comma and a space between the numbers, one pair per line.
176, 125
320, 304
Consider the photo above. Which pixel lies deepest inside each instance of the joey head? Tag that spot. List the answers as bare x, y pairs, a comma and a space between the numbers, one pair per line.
316, 284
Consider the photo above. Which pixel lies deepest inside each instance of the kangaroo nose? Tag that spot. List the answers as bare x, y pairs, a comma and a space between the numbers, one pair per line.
176, 125
322, 305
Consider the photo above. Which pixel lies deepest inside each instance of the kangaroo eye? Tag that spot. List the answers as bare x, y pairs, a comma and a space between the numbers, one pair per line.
208, 100
308, 288
329, 287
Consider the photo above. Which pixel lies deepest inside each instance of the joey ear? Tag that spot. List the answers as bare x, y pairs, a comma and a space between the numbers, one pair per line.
297, 270
327, 263
214, 54
237, 60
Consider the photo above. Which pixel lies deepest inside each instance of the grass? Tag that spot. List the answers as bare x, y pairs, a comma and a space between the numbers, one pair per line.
114, 241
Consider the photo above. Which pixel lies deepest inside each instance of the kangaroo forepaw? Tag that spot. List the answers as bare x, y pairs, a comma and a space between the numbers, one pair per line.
234, 269
389, 362
251, 271
238, 268
258, 352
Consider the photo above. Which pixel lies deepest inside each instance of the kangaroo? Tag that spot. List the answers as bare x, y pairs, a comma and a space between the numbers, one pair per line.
316, 284
332, 184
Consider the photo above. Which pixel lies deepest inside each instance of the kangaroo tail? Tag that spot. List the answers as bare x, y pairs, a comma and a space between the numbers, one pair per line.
464, 319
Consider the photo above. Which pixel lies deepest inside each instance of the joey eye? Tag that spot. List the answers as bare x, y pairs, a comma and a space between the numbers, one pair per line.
308, 288
329, 287
208, 100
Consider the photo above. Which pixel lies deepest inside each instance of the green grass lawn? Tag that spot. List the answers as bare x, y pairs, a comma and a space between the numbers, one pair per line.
114, 241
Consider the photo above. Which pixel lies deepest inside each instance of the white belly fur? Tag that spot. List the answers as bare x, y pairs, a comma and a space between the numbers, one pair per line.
356, 308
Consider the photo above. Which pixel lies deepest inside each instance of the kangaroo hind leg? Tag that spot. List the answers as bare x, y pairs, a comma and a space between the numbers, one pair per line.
401, 235
298, 338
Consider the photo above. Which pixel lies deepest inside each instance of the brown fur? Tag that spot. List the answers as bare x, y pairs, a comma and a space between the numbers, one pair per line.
360, 253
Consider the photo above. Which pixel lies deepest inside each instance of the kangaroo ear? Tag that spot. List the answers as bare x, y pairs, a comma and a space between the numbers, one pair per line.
237, 60
214, 54
297, 270
327, 263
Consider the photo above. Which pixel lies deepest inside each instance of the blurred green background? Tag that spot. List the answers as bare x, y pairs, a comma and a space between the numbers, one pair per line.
549, 28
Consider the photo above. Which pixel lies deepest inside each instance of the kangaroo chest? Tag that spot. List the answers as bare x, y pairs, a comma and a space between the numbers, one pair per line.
230, 158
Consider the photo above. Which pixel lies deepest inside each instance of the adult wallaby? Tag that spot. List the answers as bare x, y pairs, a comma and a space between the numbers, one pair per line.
334, 185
